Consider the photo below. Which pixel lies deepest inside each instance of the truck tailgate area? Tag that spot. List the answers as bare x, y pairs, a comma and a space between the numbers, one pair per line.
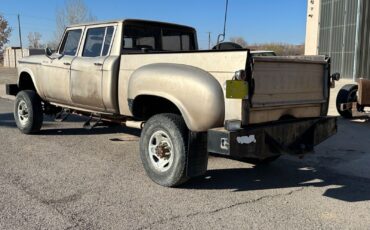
289, 86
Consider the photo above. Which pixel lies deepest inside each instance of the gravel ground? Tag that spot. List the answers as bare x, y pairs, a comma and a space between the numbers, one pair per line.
8, 75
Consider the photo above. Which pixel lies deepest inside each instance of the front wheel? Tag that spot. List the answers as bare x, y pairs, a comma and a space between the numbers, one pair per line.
28, 113
163, 149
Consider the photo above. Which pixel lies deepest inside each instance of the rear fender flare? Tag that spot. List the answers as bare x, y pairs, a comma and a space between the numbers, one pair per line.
196, 93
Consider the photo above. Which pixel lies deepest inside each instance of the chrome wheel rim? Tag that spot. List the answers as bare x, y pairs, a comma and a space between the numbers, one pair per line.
23, 114
161, 151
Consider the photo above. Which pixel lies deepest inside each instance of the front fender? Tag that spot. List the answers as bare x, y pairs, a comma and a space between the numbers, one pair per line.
23, 69
195, 92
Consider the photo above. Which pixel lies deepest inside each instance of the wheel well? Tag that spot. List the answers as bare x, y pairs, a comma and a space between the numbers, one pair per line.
146, 106
25, 82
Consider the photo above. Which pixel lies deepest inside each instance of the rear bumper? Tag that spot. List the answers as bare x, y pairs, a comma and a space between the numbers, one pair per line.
12, 89
296, 137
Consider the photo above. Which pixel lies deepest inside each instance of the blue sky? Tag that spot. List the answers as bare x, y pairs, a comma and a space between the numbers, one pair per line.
258, 21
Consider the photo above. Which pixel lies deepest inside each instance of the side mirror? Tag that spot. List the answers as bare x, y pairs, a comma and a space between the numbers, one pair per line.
335, 76
48, 52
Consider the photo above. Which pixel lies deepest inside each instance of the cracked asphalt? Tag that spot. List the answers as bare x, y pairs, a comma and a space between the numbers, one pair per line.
70, 178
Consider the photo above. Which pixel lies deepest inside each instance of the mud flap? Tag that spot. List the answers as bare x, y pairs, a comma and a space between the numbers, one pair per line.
197, 158
12, 89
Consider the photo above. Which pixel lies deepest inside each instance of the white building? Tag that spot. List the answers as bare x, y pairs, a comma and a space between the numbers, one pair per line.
341, 30
13, 54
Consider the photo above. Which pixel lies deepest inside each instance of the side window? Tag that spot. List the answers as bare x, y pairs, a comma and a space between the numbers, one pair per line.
94, 42
98, 41
108, 40
70, 42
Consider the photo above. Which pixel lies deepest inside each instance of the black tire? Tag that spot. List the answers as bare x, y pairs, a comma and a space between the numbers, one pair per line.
347, 93
174, 130
256, 161
31, 121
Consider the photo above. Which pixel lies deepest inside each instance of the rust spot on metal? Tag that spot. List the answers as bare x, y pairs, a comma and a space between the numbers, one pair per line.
162, 150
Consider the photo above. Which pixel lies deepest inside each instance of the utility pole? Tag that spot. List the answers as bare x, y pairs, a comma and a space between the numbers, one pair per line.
209, 40
20, 34
221, 37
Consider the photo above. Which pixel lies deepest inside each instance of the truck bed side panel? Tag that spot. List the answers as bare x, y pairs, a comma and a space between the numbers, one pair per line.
222, 65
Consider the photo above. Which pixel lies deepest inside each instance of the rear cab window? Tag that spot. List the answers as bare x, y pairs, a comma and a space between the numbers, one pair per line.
174, 40
138, 38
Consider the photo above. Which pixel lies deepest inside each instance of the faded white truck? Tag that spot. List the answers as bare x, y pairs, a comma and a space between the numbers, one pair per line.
188, 103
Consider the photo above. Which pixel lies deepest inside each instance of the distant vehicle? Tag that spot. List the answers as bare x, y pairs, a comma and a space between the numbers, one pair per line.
188, 102
227, 46
262, 53
235, 46
352, 100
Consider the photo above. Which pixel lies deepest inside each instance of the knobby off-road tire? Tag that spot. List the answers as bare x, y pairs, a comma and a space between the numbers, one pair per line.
347, 93
28, 113
163, 149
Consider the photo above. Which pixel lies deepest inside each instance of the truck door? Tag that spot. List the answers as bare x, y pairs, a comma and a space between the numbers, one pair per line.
57, 71
87, 69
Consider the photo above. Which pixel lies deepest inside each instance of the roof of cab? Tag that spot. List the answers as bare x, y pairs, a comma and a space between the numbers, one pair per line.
129, 21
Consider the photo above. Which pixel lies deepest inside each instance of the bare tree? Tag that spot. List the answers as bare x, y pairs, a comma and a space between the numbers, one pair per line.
74, 11
239, 40
34, 39
5, 31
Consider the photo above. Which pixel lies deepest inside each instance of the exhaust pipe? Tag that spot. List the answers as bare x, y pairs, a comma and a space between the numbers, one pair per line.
134, 124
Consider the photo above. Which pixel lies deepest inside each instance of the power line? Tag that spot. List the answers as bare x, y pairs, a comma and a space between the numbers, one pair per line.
13, 14
40, 25
37, 17
27, 16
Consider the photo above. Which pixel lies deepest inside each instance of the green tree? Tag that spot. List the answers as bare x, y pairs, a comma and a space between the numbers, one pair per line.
5, 31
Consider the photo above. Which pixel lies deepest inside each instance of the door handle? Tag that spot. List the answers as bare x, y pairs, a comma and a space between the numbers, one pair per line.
98, 64
67, 63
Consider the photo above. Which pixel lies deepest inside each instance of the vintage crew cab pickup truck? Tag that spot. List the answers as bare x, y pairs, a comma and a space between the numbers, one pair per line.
188, 103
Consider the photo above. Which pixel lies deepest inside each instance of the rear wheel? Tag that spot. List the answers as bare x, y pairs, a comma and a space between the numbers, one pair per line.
28, 113
347, 94
163, 149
